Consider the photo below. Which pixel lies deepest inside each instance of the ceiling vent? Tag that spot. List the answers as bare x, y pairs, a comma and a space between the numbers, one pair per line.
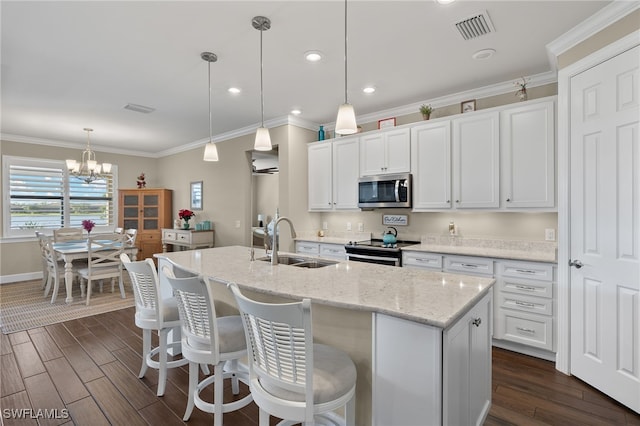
139, 108
475, 26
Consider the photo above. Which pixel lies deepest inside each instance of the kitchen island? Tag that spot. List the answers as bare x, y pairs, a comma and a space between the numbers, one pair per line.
420, 339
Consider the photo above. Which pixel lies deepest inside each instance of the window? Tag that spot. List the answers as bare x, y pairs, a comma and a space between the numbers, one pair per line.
42, 195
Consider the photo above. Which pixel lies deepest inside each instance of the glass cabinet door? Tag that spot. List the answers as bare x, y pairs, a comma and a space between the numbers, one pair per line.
130, 211
151, 212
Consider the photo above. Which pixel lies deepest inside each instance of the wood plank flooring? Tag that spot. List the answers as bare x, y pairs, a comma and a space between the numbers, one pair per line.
84, 372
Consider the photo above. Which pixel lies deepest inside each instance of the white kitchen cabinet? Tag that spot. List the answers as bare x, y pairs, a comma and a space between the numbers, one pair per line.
525, 307
527, 137
431, 165
476, 161
466, 367
385, 152
327, 250
320, 176
449, 379
333, 175
468, 265
421, 260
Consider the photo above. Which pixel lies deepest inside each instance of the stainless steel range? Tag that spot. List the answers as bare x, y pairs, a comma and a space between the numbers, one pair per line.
375, 251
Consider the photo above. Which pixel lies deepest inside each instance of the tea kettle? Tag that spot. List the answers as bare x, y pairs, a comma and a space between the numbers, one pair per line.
389, 237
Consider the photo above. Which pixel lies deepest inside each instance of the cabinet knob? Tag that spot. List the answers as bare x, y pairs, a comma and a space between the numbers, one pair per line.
508, 200
448, 201
477, 322
457, 201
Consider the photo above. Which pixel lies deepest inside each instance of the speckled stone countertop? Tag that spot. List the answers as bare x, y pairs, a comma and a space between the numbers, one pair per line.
535, 251
426, 297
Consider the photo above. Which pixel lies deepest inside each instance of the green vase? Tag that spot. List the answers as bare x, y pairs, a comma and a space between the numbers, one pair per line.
185, 225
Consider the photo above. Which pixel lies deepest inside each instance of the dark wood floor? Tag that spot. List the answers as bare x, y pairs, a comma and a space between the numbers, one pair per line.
87, 368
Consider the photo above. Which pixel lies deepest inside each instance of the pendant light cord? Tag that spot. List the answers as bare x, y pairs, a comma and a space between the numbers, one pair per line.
210, 120
346, 101
261, 85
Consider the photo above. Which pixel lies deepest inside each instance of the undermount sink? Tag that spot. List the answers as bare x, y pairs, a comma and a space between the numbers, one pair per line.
301, 262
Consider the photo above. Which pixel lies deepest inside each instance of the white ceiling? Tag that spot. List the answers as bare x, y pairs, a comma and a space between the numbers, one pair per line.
70, 65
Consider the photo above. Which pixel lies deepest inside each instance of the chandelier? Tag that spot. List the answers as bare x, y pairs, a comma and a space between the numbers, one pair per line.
88, 170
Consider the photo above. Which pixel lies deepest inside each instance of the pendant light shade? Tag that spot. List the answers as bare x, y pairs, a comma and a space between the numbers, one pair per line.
346, 119
263, 139
210, 149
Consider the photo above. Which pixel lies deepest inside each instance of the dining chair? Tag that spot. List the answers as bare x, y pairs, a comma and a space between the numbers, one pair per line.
209, 339
54, 267
291, 377
118, 230
67, 234
45, 271
153, 312
103, 261
131, 235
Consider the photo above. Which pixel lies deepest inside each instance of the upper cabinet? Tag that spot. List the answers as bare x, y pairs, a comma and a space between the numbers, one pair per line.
385, 152
333, 174
431, 165
527, 137
476, 161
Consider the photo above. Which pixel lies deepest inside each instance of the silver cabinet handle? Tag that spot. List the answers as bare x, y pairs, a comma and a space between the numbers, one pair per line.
468, 265
477, 322
525, 287
576, 263
525, 304
526, 330
525, 271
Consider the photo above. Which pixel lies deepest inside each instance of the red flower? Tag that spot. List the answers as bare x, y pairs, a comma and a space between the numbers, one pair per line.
186, 214
88, 225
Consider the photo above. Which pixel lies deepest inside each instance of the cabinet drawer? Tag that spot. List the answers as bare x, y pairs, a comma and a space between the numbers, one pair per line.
529, 271
184, 237
308, 248
334, 251
148, 237
168, 235
532, 330
468, 265
527, 288
535, 305
422, 260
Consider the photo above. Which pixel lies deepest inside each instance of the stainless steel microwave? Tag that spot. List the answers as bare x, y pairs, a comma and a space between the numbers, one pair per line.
384, 191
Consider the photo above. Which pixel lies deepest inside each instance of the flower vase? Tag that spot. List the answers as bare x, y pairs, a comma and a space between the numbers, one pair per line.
185, 225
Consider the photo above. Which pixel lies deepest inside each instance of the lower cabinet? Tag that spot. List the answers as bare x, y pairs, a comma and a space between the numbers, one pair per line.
426, 375
329, 250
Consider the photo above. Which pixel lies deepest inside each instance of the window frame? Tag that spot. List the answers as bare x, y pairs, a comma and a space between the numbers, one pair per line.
9, 160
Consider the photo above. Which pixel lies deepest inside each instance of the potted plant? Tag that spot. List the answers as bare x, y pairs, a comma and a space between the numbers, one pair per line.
426, 111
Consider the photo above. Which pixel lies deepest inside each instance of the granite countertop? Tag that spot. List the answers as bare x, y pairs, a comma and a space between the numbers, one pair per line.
535, 251
426, 297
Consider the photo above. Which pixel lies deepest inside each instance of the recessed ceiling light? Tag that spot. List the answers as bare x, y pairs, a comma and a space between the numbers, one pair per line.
313, 56
296, 111
445, 1
483, 54
234, 90
369, 89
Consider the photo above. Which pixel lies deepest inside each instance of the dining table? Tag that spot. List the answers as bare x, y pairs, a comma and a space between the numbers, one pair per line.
72, 250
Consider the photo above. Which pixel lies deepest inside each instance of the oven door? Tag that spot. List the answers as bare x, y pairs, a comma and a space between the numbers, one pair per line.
380, 260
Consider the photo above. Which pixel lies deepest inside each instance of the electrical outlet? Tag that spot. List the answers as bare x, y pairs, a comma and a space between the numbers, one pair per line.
237, 224
550, 234
360, 227
348, 226
325, 226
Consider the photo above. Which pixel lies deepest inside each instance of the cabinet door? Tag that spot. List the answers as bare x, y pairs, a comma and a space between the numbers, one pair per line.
372, 151
527, 134
467, 367
476, 161
431, 166
130, 207
320, 176
151, 211
345, 173
397, 150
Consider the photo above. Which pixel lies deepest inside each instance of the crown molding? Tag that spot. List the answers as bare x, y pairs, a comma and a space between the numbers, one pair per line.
606, 16
71, 145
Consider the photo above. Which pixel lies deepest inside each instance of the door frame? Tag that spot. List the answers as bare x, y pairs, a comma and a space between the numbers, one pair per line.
563, 354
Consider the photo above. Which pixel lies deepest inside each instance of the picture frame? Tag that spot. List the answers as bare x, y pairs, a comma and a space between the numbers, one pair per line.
196, 195
468, 106
386, 123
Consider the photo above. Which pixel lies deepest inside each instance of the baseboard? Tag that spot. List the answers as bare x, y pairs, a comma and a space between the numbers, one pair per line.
524, 349
28, 276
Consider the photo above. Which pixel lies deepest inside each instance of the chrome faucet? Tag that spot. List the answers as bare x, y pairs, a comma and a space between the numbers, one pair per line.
274, 249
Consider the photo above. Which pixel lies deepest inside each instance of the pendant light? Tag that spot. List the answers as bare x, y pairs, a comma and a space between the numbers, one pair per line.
210, 149
88, 169
263, 139
346, 120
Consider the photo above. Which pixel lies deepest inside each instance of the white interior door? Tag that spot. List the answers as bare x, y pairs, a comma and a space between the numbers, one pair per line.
605, 227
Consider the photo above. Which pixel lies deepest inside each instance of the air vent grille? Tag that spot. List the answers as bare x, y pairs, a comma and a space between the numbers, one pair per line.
475, 26
139, 108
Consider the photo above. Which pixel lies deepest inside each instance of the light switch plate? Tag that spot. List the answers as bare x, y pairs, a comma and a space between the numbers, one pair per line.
325, 226
550, 234
360, 227
348, 226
